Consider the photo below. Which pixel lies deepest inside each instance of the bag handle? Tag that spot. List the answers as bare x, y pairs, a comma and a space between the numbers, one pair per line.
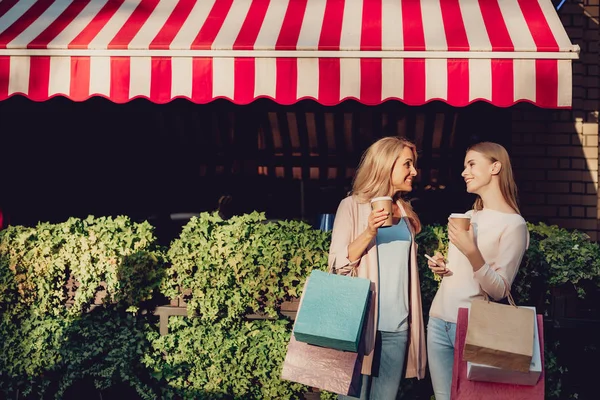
511, 301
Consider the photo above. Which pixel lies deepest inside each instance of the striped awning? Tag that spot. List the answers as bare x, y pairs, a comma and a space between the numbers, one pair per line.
415, 51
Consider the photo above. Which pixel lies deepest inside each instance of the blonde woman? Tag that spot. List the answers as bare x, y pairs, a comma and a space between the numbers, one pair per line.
484, 259
386, 256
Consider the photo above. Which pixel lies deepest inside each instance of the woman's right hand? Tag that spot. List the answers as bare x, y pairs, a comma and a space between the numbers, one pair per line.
376, 219
437, 268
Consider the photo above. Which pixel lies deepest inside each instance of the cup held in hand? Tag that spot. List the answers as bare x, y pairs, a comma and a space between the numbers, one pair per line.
462, 220
384, 202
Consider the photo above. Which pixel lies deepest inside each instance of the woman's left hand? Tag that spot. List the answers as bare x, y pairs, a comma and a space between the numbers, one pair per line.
463, 240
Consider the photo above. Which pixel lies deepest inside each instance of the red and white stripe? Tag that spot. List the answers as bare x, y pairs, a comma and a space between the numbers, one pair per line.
415, 51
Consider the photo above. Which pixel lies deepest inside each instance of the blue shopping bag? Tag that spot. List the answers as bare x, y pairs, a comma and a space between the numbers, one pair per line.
333, 311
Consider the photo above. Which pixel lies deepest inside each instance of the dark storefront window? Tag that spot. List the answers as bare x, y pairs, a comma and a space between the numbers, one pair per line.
147, 160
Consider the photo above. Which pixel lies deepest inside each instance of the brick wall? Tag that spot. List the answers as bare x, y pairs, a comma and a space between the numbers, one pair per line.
555, 152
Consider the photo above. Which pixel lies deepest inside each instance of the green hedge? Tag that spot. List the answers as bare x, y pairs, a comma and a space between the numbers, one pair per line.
55, 344
49, 341
232, 269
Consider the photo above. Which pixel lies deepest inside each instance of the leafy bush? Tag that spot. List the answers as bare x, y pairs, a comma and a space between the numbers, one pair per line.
139, 278
211, 361
242, 265
40, 314
230, 269
557, 257
50, 276
105, 347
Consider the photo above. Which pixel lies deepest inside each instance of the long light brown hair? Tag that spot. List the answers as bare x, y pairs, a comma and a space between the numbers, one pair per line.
497, 153
374, 174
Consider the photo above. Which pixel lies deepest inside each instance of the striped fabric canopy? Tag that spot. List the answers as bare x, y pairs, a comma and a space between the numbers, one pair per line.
415, 51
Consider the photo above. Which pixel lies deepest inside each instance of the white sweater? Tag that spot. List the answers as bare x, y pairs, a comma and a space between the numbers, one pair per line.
502, 239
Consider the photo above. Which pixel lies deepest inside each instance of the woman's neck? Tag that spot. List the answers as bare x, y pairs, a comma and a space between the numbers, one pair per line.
492, 199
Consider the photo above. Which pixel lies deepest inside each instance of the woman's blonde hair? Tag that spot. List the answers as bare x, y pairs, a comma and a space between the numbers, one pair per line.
497, 153
374, 174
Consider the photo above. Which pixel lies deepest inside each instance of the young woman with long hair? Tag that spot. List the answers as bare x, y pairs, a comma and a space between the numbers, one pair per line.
386, 256
484, 259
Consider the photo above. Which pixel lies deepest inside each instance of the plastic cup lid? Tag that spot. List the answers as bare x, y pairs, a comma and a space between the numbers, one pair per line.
458, 215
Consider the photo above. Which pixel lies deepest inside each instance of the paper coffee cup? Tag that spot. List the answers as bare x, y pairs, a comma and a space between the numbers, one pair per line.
384, 202
462, 220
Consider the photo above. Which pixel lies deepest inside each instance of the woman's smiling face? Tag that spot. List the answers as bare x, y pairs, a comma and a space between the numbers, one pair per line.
403, 171
478, 171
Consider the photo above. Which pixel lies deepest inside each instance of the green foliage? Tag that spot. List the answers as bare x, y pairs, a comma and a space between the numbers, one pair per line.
30, 353
139, 277
49, 275
231, 269
328, 396
210, 361
31, 270
431, 239
106, 347
102, 250
553, 371
242, 265
556, 257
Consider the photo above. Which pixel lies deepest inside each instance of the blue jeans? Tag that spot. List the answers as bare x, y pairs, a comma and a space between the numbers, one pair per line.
440, 353
388, 368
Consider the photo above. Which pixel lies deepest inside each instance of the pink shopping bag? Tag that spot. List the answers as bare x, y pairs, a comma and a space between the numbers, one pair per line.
464, 389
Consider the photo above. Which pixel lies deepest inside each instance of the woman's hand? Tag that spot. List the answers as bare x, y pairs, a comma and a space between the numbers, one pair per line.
376, 220
439, 268
463, 240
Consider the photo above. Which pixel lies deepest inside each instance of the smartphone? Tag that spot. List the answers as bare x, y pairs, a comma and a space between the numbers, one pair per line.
433, 260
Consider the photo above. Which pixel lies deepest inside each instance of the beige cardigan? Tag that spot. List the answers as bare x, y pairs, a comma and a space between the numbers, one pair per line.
350, 221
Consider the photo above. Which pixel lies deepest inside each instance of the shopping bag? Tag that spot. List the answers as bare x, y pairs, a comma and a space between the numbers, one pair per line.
333, 370
500, 335
487, 373
464, 389
324, 368
332, 312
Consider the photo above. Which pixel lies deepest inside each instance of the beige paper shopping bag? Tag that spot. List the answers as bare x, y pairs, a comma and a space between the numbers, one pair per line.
500, 335
486, 373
